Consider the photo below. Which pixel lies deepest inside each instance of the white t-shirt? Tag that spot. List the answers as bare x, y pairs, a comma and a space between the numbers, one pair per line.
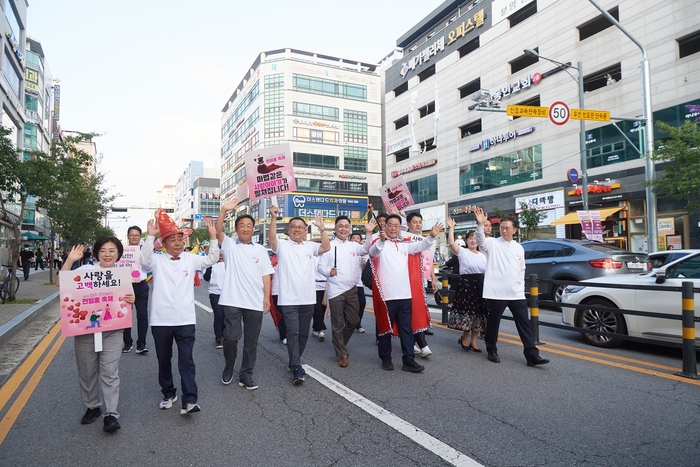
275, 283
296, 269
345, 255
471, 263
172, 301
246, 264
504, 278
363, 261
217, 278
393, 265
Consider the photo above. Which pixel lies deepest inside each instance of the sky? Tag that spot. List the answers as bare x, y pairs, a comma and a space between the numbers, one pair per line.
152, 76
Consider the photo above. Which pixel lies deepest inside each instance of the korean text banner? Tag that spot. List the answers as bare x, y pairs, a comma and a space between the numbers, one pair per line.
270, 171
395, 193
130, 260
92, 300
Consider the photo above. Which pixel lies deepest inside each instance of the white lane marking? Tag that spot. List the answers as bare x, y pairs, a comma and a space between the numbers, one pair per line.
412, 432
203, 307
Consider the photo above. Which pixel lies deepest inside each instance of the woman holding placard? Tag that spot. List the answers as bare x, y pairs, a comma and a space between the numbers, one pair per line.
102, 366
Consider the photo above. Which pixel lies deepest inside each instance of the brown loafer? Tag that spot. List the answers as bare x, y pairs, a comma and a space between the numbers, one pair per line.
343, 362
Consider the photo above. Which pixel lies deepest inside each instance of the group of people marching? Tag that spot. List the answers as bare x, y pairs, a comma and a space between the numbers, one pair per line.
244, 285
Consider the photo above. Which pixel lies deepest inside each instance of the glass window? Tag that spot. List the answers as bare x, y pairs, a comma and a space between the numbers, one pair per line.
521, 166
328, 87
11, 74
315, 111
424, 189
317, 161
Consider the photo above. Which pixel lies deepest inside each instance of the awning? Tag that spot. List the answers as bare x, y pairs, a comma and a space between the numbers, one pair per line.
32, 236
572, 217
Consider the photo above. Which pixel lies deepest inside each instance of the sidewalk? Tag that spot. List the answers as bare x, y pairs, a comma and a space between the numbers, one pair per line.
13, 318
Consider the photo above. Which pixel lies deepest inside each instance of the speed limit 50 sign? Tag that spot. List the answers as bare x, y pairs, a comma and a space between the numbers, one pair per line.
559, 113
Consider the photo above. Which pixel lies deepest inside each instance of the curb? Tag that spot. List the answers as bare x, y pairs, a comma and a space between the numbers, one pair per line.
19, 322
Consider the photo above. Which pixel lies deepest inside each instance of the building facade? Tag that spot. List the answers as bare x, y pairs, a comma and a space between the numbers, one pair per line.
329, 111
195, 180
466, 62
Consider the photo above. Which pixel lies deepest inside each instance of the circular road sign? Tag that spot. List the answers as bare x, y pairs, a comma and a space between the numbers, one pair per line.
559, 113
572, 175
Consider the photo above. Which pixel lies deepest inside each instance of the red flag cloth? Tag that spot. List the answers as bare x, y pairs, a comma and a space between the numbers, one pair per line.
420, 315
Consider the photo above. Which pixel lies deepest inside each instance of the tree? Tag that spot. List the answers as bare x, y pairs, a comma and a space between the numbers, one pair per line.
681, 177
62, 185
529, 220
200, 235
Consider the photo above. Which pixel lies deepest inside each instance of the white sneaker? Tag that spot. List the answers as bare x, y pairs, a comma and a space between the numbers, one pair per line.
425, 351
167, 403
284, 341
320, 334
190, 408
416, 349
361, 330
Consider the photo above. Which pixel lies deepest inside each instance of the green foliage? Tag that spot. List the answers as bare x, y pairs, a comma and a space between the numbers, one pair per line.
199, 234
681, 178
529, 220
62, 184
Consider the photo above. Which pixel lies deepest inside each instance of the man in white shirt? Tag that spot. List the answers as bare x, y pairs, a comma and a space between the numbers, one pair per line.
245, 294
341, 266
357, 238
504, 286
390, 259
133, 235
173, 315
297, 279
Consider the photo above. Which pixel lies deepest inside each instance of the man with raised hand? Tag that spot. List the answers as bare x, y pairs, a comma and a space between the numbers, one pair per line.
504, 286
341, 265
245, 294
296, 270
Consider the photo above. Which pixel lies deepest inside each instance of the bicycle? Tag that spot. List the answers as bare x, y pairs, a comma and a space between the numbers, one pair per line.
7, 287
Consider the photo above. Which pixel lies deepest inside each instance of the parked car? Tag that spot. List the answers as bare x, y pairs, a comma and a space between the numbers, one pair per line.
660, 258
576, 260
669, 276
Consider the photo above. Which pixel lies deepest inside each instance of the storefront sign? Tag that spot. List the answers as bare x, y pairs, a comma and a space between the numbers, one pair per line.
665, 226
694, 111
307, 206
595, 189
314, 173
315, 124
432, 215
394, 146
56, 102
31, 81
541, 201
492, 141
591, 224
353, 177
411, 168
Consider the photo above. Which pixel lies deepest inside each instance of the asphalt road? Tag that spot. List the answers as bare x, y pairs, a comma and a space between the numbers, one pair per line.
589, 406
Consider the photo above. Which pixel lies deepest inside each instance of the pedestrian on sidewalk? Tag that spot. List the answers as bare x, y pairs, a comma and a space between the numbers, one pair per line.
133, 235
25, 261
341, 267
297, 272
39, 259
99, 371
245, 294
173, 315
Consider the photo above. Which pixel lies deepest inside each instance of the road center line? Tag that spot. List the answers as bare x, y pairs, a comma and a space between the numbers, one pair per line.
412, 432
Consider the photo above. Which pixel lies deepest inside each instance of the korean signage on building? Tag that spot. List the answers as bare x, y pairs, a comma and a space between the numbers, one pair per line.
307, 206
516, 86
541, 201
56, 102
31, 82
501, 9
404, 142
412, 167
494, 140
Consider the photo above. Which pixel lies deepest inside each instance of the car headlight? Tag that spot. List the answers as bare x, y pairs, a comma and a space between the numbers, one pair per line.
574, 288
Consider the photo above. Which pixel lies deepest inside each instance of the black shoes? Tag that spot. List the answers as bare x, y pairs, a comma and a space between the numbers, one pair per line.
412, 366
111, 424
127, 347
466, 348
493, 357
90, 416
537, 361
387, 365
474, 349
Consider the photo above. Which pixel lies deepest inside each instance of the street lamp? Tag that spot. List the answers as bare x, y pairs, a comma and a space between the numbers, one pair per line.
582, 123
